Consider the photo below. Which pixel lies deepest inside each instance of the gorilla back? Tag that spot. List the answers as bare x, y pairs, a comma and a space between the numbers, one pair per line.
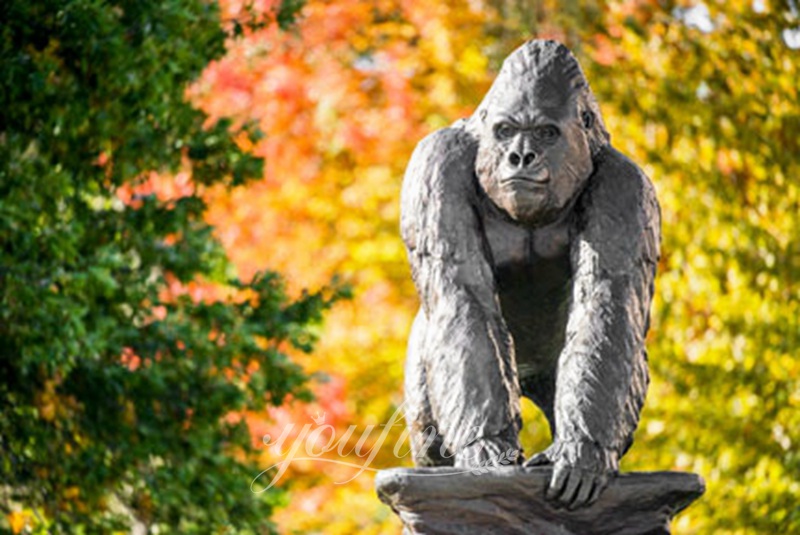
533, 246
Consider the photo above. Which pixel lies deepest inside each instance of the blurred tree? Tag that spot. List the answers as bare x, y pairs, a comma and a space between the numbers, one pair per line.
128, 345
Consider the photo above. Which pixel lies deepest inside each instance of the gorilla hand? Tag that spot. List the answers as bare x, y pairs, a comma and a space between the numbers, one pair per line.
581, 471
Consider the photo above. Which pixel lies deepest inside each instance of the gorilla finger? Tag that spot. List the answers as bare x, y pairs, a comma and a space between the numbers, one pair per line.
571, 489
599, 485
557, 482
588, 484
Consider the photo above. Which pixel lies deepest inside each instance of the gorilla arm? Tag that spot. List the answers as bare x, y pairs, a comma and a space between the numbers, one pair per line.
602, 376
467, 350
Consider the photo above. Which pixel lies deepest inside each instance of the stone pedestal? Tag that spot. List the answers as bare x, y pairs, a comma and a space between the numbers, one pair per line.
510, 500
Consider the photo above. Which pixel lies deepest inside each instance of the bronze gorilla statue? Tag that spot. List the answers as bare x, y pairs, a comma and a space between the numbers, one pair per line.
533, 245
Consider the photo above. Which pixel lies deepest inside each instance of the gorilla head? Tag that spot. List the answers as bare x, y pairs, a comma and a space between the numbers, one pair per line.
538, 129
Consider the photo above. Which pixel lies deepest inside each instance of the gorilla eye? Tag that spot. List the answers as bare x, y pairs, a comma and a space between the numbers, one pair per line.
547, 133
504, 131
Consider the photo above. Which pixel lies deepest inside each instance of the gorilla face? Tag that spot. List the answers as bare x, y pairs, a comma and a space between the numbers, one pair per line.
533, 156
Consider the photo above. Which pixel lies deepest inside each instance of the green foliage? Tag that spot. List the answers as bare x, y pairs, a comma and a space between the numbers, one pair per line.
287, 12
121, 397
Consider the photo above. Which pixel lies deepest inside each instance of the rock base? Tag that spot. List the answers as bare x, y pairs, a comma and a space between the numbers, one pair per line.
510, 500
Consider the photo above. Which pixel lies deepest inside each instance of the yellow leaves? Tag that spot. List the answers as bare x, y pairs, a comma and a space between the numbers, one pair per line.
768, 470
728, 161
51, 405
442, 91
705, 155
535, 434
472, 63
129, 412
46, 402
744, 404
439, 36
143, 504
603, 52
655, 427
18, 520
242, 140
372, 518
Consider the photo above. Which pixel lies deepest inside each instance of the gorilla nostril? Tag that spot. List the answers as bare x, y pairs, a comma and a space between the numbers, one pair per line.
514, 159
529, 158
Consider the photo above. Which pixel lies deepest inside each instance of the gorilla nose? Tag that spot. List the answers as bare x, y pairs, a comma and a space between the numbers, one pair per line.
522, 161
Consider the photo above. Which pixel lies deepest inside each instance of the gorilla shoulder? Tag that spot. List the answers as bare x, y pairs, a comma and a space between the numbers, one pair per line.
447, 143
620, 207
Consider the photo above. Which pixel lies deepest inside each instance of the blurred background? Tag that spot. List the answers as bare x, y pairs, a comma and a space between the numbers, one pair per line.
199, 247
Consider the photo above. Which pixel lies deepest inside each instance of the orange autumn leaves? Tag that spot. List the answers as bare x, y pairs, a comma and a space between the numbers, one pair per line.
317, 92
341, 98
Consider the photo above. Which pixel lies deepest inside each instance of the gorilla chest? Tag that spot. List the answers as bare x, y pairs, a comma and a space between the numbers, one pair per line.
534, 281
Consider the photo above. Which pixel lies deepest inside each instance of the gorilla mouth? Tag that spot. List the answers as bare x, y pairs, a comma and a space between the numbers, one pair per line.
540, 177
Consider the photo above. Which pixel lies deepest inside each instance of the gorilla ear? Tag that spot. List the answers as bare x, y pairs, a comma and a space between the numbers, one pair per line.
588, 119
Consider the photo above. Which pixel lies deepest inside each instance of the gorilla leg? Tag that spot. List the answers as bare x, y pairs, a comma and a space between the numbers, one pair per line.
427, 446
425, 391
467, 377
472, 385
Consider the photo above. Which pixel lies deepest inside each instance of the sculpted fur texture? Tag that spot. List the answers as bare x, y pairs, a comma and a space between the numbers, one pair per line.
533, 245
